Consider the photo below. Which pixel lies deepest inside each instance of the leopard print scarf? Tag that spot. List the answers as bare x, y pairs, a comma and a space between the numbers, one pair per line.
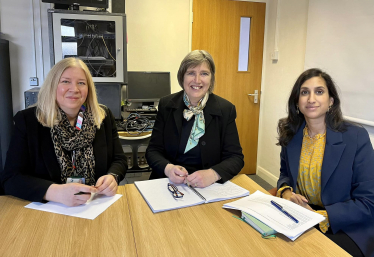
67, 138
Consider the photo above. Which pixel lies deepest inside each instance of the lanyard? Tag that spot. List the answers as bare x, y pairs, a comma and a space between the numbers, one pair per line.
78, 126
79, 122
73, 159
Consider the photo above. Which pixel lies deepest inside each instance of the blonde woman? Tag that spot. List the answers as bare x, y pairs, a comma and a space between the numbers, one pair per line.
66, 146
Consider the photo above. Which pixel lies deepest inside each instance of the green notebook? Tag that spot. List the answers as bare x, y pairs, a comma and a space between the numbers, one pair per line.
261, 227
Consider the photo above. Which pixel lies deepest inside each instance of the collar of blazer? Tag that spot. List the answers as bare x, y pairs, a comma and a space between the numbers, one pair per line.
212, 108
333, 152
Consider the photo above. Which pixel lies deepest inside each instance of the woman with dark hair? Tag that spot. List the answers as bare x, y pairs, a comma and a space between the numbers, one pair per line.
195, 139
327, 164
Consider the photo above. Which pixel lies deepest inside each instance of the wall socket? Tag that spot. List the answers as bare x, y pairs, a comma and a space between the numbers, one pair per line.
34, 81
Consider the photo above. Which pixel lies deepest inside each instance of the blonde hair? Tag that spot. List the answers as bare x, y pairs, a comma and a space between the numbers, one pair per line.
47, 109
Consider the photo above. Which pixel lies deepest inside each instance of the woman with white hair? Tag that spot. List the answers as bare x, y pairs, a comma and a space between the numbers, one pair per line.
67, 146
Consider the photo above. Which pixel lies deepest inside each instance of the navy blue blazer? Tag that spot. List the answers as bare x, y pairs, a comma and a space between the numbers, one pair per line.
220, 146
347, 181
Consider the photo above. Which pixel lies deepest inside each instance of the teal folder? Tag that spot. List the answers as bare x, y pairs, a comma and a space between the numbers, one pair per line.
261, 227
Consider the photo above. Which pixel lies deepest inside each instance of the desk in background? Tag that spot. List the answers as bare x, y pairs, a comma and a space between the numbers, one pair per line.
210, 230
134, 147
27, 232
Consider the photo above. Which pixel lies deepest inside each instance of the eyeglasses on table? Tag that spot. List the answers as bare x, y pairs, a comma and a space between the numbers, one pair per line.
174, 191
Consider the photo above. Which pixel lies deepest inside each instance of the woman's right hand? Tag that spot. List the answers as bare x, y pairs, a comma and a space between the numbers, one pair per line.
296, 198
177, 174
65, 193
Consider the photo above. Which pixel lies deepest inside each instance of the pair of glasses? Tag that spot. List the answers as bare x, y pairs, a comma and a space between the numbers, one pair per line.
174, 191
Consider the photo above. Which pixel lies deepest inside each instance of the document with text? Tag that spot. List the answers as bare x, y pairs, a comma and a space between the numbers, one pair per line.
259, 206
89, 210
155, 192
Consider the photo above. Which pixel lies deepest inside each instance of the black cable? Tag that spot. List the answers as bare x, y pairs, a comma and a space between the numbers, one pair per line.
135, 122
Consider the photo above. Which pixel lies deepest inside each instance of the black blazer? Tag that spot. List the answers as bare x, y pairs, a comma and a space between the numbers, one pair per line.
220, 146
31, 165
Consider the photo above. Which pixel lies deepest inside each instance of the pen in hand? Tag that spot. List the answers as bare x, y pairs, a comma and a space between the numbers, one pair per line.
279, 207
83, 193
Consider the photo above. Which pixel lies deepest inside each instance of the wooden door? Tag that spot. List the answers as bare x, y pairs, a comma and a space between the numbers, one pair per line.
216, 28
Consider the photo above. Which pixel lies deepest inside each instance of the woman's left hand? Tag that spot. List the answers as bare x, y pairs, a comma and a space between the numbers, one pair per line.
106, 185
202, 178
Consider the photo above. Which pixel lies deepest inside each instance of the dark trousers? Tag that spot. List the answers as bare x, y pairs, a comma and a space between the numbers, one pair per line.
340, 238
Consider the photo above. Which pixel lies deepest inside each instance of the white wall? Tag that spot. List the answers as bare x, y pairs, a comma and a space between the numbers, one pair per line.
18, 27
158, 36
279, 77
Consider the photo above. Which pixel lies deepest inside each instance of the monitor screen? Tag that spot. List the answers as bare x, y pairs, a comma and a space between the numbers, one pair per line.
147, 86
109, 94
92, 3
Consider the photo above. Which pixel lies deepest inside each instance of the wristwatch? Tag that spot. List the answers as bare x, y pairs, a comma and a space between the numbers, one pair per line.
115, 177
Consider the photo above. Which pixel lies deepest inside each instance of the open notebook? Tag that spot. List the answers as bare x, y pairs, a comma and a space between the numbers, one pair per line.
156, 194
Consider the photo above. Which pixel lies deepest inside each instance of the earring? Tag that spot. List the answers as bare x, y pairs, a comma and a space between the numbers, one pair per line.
297, 109
329, 109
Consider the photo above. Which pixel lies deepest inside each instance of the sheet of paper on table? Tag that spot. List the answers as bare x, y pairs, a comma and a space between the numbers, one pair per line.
258, 205
89, 210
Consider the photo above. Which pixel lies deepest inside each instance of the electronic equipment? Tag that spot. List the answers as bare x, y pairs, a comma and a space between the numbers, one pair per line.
135, 124
31, 96
150, 110
91, 3
97, 38
147, 86
109, 94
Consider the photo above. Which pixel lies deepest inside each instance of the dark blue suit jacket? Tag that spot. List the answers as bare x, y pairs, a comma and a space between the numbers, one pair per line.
347, 181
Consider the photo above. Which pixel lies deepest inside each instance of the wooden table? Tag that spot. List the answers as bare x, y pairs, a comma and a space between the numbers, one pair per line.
210, 230
27, 232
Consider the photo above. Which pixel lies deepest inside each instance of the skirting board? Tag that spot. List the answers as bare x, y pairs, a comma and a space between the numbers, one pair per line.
267, 176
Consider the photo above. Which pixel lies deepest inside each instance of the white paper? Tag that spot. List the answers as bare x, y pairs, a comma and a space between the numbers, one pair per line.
218, 192
89, 210
258, 205
155, 192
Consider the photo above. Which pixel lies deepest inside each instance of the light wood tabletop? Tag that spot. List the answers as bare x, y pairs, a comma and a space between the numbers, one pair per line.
27, 232
210, 230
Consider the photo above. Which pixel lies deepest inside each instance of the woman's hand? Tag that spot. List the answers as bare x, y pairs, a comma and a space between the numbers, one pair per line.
296, 198
176, 173
66, 193
202, 178
106, 185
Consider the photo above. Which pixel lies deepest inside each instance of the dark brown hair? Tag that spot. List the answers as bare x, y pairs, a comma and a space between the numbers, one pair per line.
287, 127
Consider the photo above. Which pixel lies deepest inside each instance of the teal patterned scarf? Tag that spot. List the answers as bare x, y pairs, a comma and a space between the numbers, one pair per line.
198, 128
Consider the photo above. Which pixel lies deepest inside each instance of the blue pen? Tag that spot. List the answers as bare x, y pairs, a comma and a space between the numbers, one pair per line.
279, 207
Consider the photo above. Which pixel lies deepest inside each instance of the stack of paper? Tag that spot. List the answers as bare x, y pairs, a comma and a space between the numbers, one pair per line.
261, 227
155, 192
259, 206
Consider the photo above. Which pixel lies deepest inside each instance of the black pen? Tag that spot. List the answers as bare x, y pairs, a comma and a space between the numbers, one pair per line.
279, 207
83, 193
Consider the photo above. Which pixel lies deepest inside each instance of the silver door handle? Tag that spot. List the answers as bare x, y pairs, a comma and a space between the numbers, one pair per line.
256, 96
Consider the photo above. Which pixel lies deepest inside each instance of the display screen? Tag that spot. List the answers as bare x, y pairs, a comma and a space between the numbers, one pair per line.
93, 3
147, 86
